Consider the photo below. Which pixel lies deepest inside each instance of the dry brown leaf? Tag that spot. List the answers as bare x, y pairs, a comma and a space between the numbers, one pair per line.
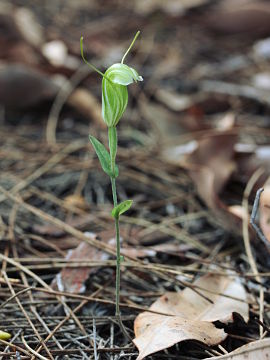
253, 351
211, 164
72, 279
158, 332
191, 315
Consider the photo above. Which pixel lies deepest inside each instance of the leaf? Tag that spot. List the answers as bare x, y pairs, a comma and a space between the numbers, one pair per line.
121, 208
72, 279
104, 156
189, 316
158, 332
255, 350
210, 162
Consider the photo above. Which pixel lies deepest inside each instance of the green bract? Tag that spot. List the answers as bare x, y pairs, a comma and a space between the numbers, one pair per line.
114, 92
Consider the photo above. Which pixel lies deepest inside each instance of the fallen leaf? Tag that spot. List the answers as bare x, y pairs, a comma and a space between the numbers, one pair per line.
212, 161
72, 279
211, 164
255, 350
189, 315
158, 332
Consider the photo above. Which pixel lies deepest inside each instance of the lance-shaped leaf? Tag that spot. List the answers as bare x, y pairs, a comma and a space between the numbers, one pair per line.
121, 208
103, 156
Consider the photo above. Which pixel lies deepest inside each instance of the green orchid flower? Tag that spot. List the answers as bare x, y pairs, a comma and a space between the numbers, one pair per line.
114, 87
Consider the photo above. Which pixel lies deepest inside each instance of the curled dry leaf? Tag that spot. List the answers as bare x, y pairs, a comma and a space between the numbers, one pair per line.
211, 164
255, 350
189, 316
212, 161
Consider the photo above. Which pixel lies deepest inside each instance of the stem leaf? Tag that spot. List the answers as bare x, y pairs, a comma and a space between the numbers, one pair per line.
121, 208
103, 156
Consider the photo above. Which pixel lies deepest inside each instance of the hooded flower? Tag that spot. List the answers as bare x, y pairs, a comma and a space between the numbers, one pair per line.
114, 91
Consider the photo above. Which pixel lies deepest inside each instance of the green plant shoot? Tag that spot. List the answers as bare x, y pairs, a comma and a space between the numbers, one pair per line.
114, 102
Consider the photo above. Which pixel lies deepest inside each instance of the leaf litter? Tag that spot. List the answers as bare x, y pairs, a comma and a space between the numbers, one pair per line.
190, 314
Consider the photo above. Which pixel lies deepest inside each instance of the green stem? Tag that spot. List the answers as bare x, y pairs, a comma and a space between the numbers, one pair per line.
118, 254
118, 272
114, 194
112, 135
